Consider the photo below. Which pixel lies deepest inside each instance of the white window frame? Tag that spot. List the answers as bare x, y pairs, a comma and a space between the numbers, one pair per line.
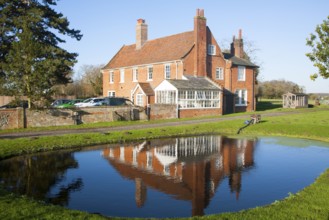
196, 99
241, 73
220, 73
111, 93
241, 97
167, 71
111, 77
166, 97
139, 99
211, 49
122, 75
135, 75
149, 73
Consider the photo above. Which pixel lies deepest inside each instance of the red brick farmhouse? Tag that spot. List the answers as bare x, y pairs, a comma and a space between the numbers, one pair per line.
187, 69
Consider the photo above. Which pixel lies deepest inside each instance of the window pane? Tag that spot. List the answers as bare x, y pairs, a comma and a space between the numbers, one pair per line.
167, 71
139, 100
241, 73
190, 94
135, 75
182, 95
237, 97
243, 97
111, 77
215, 95
122, 76
150, 73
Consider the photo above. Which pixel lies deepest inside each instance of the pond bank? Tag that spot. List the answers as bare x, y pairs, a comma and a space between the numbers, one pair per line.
312, 202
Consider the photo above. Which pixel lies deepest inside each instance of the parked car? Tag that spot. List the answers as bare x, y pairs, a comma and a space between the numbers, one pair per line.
70, 104
90, 102
59, 102
15, 104
117, 101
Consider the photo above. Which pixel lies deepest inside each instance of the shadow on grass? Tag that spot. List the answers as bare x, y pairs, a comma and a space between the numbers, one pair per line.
267, 105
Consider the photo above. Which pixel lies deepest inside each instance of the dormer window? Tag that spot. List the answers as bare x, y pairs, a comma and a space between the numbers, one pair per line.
211, 49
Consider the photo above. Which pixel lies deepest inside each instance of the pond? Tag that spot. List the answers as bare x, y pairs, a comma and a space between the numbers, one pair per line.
179, 177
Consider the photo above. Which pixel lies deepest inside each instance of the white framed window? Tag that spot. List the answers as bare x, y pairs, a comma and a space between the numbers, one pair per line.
198, 99
135, 75
241, 73
241, 97
122, 76
111, 93
219, 73
111, 77
166, 97
211, 49
139, 99
167, 71
150, 73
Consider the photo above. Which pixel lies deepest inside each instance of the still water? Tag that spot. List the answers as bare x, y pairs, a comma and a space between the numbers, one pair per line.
177, 177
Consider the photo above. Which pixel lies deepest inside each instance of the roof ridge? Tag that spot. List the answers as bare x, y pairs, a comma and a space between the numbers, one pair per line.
159, 38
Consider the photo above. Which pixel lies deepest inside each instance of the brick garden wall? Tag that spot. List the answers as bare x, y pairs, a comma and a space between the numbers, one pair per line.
11, 118
20, 118
162, 111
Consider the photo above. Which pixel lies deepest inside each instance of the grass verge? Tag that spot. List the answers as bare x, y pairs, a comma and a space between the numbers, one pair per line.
310, 203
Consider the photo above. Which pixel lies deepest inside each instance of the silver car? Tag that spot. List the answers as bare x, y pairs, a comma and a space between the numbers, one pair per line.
90, 102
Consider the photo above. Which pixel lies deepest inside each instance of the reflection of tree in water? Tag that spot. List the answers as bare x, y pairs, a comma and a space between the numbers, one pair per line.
35, 175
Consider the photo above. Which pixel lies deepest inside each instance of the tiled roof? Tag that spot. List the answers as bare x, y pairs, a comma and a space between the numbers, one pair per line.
147, 89
194, 83
239, 61
164, 49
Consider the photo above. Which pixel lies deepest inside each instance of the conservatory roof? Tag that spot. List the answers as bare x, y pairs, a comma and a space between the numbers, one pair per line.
194, 83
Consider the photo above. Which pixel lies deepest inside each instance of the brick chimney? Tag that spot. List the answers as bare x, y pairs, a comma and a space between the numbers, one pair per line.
141, 33
200, 41
237, 46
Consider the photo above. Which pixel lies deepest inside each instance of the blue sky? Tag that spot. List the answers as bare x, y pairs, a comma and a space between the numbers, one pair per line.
276, 28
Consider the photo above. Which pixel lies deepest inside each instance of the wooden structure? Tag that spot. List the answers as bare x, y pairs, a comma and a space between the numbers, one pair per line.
295, 100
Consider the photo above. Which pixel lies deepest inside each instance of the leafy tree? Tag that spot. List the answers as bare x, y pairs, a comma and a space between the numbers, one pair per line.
31, 60
320, 49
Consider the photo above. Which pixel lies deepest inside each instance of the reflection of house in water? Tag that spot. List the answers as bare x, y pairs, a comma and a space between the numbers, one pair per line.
188, 168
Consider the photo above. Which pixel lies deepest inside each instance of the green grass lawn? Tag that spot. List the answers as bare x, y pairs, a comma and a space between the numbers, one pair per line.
310, 203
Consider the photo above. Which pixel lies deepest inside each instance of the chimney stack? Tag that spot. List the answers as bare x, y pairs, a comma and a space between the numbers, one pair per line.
200, 41
141, 33
237, 46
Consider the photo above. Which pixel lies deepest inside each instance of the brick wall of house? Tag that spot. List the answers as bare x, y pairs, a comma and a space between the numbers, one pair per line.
189, 63
191, 113
124, 89
248, 85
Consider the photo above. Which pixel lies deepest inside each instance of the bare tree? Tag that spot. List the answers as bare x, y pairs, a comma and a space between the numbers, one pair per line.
276, 88
92, 79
